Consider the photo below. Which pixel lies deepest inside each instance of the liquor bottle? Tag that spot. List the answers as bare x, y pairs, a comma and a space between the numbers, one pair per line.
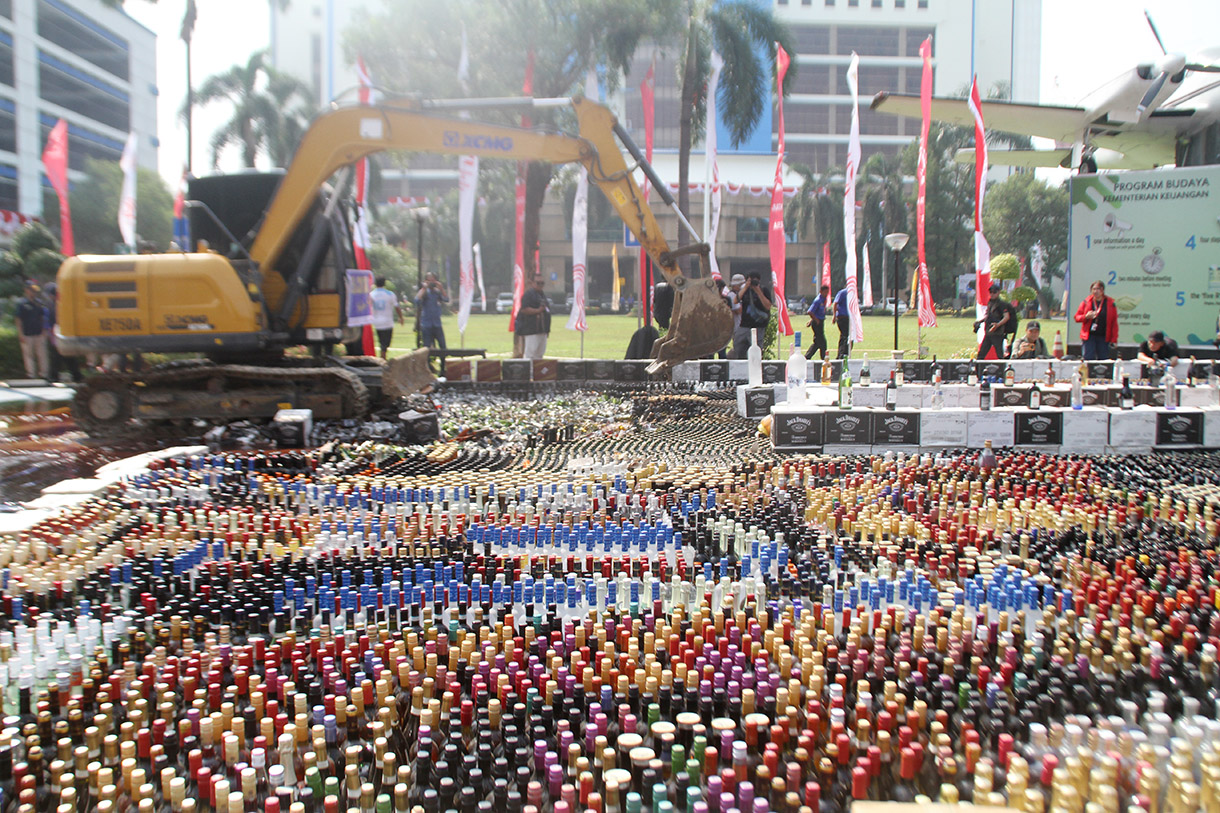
1035, 396
1010, 375
1050, 374
1083, 372
754, 358
899, 375
938, 386
1170, 384
797, 371
1118, 369
891, 392
845, 391
972, 377
1126, 398
1077, 391
866, 375
985, 394
1057, 345
987, 459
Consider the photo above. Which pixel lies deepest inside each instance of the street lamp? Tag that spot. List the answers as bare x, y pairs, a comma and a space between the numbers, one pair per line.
421, 214
897, 242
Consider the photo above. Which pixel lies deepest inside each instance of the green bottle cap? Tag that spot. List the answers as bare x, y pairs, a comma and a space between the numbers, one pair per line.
383, 803
633, 802
654, 713
659, 794
677, 758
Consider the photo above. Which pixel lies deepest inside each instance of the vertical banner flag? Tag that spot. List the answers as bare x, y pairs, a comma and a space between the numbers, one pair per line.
580, 232
648, 100
127, 197
867, 284
927, 313
55, 162
182, 234
616, 292
360, 234
359, 304
826, 272
527, 90
709, 140
849, 200
1037, 260
468, 182
478, 273
982, 251
776, 231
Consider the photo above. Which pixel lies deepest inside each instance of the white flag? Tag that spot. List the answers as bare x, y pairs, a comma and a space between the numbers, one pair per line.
127, 199
849, 200
580, 232
468, 181
478, 273
710, 141
1037, 259
867, 286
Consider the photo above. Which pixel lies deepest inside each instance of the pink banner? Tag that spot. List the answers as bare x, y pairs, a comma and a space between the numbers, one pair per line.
849, 201
826, 271
55, 162
648, 100
866, 292
927, 313
982, 251
776, 230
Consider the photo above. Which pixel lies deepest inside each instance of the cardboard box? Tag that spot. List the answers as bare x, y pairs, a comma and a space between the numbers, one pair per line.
516, 371
293, 428
796, 429
899, 428
755, 402
1043, 427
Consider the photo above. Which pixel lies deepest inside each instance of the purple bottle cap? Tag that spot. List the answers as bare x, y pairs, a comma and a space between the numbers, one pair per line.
761, 806
726, 803
539, 752
745, 794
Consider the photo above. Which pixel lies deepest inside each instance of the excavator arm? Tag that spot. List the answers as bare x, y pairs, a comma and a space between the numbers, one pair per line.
702, 322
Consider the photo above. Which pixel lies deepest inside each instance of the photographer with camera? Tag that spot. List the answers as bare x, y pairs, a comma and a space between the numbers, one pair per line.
999, 322
428, 303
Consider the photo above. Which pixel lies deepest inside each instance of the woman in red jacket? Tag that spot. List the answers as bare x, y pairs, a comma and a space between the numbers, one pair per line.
1098, 320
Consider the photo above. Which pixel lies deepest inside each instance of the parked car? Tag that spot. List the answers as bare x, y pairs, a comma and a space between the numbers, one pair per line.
887, 307
504, 302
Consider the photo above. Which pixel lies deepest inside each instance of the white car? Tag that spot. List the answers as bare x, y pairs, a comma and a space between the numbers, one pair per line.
504, 302
888, 306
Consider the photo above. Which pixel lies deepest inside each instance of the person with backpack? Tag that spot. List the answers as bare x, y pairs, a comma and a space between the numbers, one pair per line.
755, 312
999, 323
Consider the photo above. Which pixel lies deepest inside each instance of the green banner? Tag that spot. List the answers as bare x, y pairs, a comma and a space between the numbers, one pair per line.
1153, 237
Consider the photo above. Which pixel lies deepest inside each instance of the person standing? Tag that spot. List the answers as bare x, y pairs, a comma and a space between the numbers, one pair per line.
999, 321
817, 321
428, 300
842, 322
1098, 318
385, 313
755, 312
534, 320
31, 317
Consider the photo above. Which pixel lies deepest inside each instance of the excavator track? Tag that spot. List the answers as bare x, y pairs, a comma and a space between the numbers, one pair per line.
123, 404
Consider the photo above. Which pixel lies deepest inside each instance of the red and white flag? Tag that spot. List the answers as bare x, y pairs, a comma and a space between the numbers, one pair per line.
648, 100
709, 139
866, 293
927, 313
775, 231
55, 162
360, 231
580, 232
849, 200
982, 251
468, 184
830, 292
478, 275
527, 90
127, 197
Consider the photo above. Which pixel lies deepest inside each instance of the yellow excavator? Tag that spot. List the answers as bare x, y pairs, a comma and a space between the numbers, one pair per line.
274, 277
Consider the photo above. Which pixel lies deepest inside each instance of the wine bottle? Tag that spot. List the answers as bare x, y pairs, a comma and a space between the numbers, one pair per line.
891, 392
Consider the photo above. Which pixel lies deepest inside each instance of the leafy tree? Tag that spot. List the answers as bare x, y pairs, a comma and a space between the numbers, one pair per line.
566, 40
265, 119
1004, 267
95, 208
1023, 211
738, 30
33, 254
396, 266
949, 222
885, 212
816, 214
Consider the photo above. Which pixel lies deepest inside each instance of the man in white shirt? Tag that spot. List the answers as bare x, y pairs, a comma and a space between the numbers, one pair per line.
385, 313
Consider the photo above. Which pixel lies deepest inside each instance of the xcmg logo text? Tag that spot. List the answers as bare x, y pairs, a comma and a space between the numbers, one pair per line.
473, 141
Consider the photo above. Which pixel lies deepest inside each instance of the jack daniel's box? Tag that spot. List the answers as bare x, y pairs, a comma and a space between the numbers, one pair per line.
714, 370
852, 427
631, 370
957, 369
755, 402
1175, 428
914, 372
601, 370
516, 371
1058, 397
896, 428
796, 430
991, 369
775, 372
569, 370
1011, 396
1038, 428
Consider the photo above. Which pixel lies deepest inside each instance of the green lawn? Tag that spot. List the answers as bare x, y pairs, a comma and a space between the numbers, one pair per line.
608, 336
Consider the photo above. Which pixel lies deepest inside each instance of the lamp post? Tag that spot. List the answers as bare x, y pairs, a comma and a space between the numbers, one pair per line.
421, 214
897, 242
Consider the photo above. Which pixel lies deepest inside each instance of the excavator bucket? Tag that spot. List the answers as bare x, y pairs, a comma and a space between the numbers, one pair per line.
701, 325
407, 374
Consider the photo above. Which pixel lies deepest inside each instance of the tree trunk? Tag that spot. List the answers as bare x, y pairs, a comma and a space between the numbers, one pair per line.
686, 113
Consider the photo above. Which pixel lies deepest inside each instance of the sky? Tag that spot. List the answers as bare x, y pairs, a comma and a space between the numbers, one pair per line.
1084, 44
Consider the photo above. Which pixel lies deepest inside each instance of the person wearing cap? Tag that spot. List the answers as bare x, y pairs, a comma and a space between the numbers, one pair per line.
999, 322
817, 321
1158, 348
1031, 345
31, 318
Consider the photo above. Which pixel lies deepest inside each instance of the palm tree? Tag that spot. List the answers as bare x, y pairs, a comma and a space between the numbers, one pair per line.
816, 212
263, 117
885, 210
738, 30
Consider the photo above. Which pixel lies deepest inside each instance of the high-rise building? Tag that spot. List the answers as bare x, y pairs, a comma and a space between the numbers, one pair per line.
79, 60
